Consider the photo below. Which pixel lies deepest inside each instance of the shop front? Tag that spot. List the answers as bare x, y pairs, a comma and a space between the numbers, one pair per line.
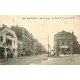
2, 50
64, 50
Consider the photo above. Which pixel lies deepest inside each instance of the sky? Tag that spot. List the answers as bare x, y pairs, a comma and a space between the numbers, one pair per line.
42, 26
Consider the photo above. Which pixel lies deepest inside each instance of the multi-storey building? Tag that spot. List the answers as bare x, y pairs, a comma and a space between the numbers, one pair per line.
66, 43
26, 42
8, 42
38, 47
16, 41
26, 38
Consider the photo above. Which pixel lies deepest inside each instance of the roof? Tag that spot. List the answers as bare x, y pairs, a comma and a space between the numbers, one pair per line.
65, 33
7, 29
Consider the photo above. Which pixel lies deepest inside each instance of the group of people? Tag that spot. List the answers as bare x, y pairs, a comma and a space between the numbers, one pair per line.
25, 53
8, 54
53, 54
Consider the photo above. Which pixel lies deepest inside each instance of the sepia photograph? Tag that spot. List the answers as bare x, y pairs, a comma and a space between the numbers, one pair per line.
39, 40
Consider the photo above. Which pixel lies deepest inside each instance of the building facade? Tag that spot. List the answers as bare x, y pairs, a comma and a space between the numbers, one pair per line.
27, 39
29, 44
17, 41
66, 43
19, 47
8, 42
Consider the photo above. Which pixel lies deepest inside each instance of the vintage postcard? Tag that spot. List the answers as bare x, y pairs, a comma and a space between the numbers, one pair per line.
40, 40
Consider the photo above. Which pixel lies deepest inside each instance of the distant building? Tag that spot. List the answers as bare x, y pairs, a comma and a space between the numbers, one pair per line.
24, 36
38, 48
26, 42
66, 43
8, 42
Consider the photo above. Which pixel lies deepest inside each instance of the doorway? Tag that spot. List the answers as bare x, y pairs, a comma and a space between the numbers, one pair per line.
2, 50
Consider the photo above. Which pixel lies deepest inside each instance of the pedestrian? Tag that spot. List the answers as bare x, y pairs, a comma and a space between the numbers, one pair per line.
54, 53
5, 54
51, 53
11, 54
22, 54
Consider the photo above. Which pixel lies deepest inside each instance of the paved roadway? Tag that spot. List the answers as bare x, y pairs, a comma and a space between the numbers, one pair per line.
44, 60
63, 60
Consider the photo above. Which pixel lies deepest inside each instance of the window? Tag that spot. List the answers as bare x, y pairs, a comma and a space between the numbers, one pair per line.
9, 34
9, 42
67, 50
63, 43
68, 42
58, 42
1, 39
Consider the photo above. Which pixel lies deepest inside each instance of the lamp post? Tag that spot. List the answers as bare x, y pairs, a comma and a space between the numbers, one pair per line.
48, 46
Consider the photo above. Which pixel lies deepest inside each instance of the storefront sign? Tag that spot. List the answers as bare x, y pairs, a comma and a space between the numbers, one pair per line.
64, 47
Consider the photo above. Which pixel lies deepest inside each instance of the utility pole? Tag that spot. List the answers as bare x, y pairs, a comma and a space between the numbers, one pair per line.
48, 46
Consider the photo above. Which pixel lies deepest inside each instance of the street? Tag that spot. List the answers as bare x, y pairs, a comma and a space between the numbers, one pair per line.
63, 60
25, 60
42, 59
